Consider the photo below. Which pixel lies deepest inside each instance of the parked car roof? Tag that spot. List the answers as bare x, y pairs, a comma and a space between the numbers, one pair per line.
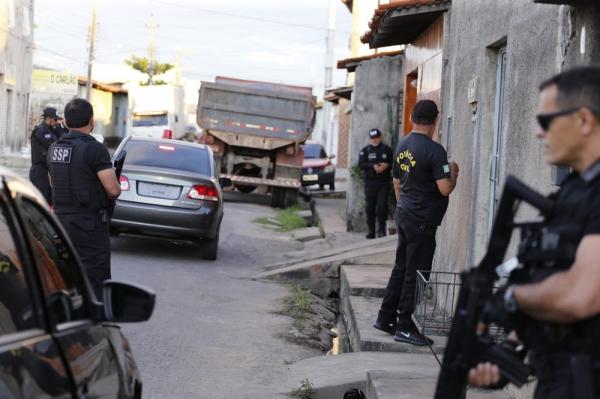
19, 185
169, 141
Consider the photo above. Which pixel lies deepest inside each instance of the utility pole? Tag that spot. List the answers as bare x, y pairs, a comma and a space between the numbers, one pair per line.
327, 139
152, 27
92, 36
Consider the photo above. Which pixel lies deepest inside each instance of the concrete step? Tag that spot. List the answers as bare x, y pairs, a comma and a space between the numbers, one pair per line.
307, 234
401, 384
359, 313
388, 242
322, 275
364, 280
332, 376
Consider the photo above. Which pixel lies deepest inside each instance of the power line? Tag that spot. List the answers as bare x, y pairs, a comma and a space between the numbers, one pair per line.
251, 18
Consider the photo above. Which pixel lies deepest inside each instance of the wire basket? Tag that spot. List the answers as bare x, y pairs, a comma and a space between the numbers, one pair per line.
436, 296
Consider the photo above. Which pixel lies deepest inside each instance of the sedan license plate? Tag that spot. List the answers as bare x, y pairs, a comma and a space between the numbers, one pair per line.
155, 190
310, 178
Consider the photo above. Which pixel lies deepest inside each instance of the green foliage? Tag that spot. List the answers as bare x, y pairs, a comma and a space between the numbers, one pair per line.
394, 126
305, 391
299, 303
142, 64
357, 174
394, 131
286, 220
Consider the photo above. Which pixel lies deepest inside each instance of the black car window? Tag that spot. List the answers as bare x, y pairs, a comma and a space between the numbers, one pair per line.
61, 277
171, 156
313, 151
16, 306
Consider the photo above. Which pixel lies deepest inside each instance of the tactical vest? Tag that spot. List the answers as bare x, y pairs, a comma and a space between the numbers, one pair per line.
551, 249
74, 190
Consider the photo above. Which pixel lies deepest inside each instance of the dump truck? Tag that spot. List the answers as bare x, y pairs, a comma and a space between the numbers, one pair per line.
255, 130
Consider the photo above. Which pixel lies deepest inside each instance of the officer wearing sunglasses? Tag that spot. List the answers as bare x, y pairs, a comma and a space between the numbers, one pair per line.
563, 305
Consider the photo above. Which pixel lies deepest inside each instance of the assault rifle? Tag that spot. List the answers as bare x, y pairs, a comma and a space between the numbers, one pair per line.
466, 348
119, 162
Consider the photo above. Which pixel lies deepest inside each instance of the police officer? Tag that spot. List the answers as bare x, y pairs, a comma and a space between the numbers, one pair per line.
423, 180
375, 161
84, 183
42, 136
562, 303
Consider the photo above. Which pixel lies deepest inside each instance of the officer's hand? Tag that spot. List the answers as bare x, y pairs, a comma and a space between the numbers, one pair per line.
454, 168
485, 374
377, 168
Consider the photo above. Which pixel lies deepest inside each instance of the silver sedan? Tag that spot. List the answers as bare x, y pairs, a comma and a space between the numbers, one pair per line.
170, 189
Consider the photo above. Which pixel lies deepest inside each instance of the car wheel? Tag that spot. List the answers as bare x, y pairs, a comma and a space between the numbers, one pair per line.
332, 187
210, 248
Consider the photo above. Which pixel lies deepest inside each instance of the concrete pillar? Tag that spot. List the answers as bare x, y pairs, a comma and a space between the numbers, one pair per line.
377, 90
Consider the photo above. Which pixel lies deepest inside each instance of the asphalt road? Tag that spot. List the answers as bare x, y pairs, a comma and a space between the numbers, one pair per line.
214, 333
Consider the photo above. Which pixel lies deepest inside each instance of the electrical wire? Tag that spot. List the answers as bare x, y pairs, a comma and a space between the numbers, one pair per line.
251, 18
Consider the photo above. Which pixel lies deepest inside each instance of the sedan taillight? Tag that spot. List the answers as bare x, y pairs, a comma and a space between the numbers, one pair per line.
202, 192
124, 181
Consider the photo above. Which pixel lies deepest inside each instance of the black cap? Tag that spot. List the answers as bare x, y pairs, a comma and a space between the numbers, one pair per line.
425, 112
50, 112
373, 133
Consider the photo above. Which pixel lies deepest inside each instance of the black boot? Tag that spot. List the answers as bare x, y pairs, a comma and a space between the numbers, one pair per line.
382, 228
370, 235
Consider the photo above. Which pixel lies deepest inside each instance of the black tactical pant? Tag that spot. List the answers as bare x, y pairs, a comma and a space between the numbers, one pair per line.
558, 377
38, 174
416, 246
376, 204
90, 236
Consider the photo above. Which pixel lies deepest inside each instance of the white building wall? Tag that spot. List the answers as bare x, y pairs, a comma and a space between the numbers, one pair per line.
16, 51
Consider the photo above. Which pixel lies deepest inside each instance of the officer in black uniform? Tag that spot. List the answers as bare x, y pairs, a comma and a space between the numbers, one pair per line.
84, 184
561, 304
375, 160
423, 180
42, 136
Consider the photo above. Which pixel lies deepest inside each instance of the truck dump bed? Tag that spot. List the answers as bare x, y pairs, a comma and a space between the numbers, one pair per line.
235, 107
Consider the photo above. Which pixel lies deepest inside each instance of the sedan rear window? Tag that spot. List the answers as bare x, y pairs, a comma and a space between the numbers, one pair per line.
170, 156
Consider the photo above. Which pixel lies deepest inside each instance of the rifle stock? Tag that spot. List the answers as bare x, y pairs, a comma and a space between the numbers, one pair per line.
465, 348
119, 162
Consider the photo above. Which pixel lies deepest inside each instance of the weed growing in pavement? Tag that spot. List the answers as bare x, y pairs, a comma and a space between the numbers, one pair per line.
299, 303
305, 391
286, 220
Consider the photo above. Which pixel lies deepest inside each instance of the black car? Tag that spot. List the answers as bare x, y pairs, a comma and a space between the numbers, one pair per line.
170, 189
56, 339
317, 167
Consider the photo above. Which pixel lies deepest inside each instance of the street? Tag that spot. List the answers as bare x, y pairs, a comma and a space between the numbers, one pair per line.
214, 333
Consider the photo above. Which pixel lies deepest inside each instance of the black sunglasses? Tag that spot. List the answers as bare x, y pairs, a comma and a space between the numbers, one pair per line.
545, 120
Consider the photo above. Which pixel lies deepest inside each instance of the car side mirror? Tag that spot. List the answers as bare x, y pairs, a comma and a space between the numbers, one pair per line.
127, 303
331, 156
225, 182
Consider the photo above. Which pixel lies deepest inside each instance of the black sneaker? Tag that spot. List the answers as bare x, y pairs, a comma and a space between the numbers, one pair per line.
413, 337
381, 234
389, 328
370, 236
